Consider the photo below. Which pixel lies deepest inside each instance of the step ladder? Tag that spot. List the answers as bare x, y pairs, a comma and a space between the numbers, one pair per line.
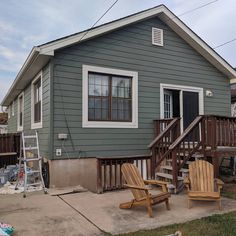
30, 156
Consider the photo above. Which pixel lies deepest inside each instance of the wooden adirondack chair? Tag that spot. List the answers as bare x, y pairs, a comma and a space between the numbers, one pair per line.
141, 194
201, 184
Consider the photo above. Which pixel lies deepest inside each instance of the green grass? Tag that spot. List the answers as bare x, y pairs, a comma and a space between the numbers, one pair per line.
216, 225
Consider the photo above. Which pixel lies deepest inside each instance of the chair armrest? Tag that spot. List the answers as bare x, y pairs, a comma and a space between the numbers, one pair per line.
219, 183
187, 183
163, 184
137, 187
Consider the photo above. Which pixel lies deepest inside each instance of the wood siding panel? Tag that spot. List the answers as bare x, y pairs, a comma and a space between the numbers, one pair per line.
43, 132
129, 48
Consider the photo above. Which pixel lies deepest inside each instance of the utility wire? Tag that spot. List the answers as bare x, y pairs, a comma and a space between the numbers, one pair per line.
98, 20
194, 9
223, 44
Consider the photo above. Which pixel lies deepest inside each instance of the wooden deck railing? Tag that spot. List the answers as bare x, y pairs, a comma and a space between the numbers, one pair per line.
160, 145
9, 148
220, 131
161, 124
109, 176
206, 132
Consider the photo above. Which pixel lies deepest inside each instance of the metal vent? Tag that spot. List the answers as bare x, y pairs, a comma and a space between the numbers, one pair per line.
157, 36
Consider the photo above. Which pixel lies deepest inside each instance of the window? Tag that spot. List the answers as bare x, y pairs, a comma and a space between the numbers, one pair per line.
36, 102
9, 111
109, 98
13, 108
20, 117
168, 109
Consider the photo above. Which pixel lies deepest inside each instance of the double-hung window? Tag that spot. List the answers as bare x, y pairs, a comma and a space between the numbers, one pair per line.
20, 114
36, 102
109, 98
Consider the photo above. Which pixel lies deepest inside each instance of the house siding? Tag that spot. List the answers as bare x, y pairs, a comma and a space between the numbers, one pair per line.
129, 48
44, 131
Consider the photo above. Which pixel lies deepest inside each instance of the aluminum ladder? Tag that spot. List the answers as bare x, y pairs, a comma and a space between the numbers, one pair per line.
30, 154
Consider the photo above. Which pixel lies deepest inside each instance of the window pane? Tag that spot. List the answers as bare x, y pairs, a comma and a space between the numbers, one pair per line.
105, 103
104, 114
91, 103
98, 114
91, 114
98, 103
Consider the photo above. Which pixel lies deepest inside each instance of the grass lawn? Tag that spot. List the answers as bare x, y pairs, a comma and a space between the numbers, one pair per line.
216, 225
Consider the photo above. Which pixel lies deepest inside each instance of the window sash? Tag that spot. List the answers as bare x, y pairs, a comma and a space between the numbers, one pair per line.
119, 93
37, 100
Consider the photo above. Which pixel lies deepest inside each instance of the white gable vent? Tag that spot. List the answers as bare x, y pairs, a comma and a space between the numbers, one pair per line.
157, 36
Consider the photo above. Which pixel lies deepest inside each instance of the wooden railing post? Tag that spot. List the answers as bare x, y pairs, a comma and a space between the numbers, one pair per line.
174, 168
202, 137
153, 163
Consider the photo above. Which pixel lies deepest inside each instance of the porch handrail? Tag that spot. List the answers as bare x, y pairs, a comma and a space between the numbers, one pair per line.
186, 132
165, 131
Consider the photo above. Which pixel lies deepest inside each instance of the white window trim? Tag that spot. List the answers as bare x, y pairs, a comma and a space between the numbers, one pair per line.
37, 125
13, 108
20, 128
109, 124
9, 111
181, 89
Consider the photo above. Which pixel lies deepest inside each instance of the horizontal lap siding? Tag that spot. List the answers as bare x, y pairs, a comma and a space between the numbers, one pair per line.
43, 132
129, 48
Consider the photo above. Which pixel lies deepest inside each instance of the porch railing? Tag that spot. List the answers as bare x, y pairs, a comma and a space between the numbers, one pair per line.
205, 133
109, 175
160, 145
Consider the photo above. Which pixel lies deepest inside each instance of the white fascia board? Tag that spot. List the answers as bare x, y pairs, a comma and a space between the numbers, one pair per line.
49, 48
168, 17
233, 81
176, 24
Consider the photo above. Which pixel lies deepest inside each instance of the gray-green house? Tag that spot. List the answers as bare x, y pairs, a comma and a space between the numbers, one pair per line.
97, 92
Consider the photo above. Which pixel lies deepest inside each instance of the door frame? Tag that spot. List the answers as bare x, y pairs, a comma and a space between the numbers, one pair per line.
181, 89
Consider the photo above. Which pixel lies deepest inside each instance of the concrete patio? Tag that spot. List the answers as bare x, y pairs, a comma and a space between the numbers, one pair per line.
87, 213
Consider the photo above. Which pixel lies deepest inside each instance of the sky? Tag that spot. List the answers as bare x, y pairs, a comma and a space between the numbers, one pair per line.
28, 23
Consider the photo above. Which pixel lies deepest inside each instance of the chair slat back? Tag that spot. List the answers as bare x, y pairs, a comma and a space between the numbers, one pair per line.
201, 176
132, 176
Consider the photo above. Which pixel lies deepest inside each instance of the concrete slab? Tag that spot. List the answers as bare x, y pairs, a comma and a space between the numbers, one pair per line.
43, 215
103, 210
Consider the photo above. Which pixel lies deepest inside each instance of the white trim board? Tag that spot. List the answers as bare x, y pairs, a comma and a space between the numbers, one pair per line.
37, 125
20, 128
109, 124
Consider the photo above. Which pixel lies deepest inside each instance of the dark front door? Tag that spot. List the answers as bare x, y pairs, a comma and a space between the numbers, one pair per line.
190, 107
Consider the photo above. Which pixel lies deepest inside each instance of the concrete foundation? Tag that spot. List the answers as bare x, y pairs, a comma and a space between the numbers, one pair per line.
72, 172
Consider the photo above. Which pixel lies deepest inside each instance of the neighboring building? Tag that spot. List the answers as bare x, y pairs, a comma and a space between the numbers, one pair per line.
233, 99
3, 123
96, 94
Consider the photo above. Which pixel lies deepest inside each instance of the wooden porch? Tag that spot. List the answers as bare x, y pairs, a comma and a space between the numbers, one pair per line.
208, 137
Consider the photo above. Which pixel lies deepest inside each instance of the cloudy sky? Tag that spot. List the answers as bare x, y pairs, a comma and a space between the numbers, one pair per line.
26, 23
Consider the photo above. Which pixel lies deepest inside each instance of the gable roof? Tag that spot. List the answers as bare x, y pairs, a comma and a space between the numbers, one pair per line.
40, 55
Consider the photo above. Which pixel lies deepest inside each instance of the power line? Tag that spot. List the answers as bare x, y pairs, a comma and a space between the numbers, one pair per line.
98, 20
194, 9
223, 44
